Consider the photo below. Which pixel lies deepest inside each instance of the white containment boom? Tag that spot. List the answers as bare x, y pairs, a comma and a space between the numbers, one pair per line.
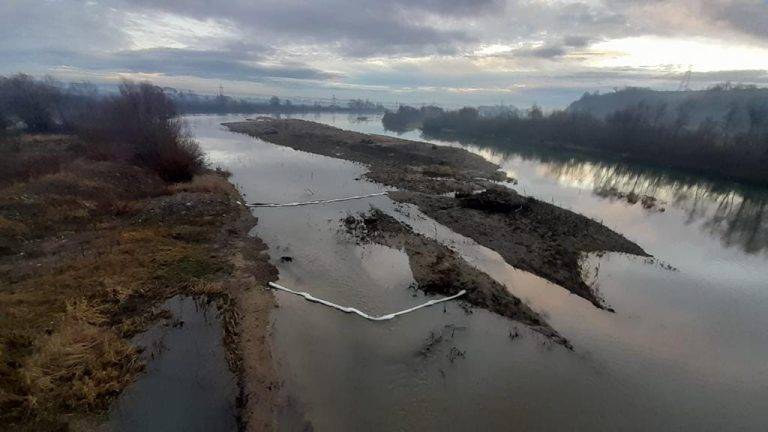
348, 309
296, 204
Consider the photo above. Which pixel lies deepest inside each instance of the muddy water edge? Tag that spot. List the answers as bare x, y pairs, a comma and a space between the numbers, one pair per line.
659, 362
208, 361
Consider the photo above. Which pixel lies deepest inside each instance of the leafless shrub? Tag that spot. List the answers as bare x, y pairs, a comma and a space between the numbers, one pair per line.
141, 124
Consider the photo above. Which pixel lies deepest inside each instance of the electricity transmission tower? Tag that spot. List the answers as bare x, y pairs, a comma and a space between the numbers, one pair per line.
685, 83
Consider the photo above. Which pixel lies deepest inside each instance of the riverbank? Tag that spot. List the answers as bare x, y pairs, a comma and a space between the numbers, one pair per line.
89, 250
538, 237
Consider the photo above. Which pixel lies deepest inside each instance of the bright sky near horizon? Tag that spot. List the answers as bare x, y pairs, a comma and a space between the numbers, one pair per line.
451, 52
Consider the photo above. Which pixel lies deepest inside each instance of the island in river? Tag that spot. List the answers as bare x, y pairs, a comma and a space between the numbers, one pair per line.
467, 194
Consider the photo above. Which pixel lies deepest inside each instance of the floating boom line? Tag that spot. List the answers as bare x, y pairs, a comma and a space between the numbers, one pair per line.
348, 309
296, 204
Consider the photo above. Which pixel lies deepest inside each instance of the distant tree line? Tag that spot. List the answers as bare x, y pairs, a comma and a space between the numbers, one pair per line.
642, 133
193, 103
139, 124
717, 102
408, 118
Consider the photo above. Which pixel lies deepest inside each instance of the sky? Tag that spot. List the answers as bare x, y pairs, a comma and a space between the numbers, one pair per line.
449, 52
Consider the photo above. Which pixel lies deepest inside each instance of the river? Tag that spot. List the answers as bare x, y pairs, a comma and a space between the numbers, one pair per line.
687, 348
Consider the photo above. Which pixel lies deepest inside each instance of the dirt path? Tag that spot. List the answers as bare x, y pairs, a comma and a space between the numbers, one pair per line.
529, 234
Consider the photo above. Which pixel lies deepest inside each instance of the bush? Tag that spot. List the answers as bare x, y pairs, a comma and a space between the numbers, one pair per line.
34, 103
141, 124
637, 133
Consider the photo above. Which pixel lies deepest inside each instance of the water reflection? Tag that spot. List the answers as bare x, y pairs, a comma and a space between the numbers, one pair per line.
734, 213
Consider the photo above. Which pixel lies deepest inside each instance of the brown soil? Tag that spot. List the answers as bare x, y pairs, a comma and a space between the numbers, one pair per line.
394, 162
88, 250
439, 270
529, 234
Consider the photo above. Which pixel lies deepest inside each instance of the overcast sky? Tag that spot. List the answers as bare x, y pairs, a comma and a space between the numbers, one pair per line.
451, 52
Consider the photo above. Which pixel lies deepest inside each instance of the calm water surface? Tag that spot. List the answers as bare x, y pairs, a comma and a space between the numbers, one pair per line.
686, 349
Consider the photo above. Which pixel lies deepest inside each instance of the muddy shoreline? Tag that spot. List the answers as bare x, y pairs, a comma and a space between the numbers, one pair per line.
529, 234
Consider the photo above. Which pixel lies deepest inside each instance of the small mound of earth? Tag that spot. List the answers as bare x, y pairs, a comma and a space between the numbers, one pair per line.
495, 200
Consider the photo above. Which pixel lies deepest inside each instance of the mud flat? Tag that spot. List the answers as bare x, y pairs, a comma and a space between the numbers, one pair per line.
529, 234
440, 270
400, 163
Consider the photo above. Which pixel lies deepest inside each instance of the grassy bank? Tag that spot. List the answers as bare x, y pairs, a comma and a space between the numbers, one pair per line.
88, 250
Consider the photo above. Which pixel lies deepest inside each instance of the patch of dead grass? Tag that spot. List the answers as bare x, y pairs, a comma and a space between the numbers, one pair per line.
207, 288
90, 277
83, 363
12, 229
212, 183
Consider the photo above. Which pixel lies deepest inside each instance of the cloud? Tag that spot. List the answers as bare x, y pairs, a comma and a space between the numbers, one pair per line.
577, 41
748, 16
545, 52
352, 28
229, 64
209, 64
425, 47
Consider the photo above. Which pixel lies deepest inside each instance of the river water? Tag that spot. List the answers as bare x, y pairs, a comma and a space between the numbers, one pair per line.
687, 348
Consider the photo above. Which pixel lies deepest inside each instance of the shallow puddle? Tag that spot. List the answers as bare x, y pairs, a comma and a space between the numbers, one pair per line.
187, 385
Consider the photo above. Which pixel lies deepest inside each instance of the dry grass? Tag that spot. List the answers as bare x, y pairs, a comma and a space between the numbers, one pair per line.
81, 364
79, 274
207, 288
212, 183
27, 156
12, 229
